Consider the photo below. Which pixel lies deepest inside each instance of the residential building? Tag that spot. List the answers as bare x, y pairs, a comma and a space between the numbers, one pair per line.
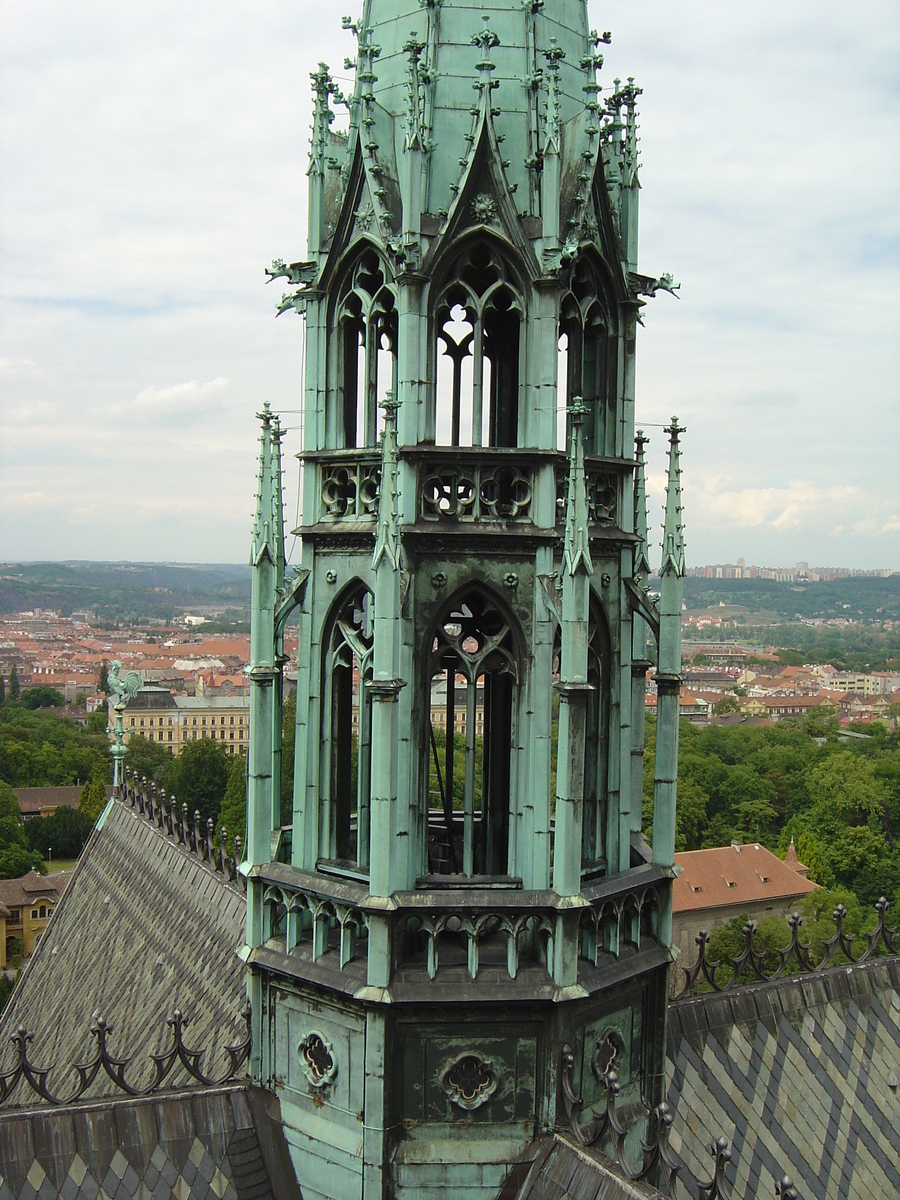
174, 720
26, 906
716, 885
44, 801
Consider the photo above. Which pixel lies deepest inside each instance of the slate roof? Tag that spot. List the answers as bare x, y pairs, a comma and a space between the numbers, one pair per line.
216, 1144
561, 1170
143, 927
727, 876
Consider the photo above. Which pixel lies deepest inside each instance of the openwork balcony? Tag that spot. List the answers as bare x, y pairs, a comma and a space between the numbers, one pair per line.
319, 927
348, 483
481, 486
603, 487
462, 486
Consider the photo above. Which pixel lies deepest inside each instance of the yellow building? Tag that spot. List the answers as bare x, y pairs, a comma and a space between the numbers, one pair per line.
26, 905
160, 716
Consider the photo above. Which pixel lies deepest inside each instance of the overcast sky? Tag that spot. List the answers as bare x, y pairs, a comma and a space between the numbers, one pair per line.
153, 163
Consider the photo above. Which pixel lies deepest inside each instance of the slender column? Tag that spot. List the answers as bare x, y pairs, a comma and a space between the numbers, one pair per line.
264, 561
573, 690
639, 663
669, 675
384, 691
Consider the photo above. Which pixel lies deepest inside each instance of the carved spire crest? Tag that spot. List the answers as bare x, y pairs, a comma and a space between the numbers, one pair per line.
673, 530
642, 549
387, 535
576, 550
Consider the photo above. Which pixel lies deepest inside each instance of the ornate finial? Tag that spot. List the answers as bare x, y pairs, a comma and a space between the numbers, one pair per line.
324, 88
486, 39
554, 55
387, 537
642, 550
576, 552
673, 535
268, 524
415, 93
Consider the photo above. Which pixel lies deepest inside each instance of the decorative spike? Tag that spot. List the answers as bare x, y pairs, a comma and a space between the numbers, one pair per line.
576, 552
673, 536
642, 550
387, 538
554, 55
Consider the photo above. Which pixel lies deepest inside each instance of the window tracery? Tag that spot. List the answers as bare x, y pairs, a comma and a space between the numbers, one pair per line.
347, 730
474, 675
477, 321
366, 323
587, 358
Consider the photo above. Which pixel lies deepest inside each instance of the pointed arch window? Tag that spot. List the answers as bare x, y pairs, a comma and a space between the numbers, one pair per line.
366, 325
347, 731
478, 320
474, 674
590, 361
594, 833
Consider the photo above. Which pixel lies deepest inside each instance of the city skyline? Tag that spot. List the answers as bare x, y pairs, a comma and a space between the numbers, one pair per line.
155, 165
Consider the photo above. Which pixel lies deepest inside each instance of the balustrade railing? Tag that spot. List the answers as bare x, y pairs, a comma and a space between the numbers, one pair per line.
176, 823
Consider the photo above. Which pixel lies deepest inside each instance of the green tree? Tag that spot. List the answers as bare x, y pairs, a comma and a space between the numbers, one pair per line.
16, 858
64, 834
728, 704
199, 777
14, 688
2, 690
42, 696
103, 684
92, 800
690, 815
233, 813
96, 722
6, 989
718, 833
149, 760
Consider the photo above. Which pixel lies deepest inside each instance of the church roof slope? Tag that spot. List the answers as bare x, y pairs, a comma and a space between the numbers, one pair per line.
560, 1170
144, 927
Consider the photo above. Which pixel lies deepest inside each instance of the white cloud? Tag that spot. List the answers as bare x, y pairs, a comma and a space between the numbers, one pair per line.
154, 162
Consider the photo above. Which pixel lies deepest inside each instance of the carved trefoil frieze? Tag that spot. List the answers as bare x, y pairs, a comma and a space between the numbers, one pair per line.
490, 492
349, 491
602, 493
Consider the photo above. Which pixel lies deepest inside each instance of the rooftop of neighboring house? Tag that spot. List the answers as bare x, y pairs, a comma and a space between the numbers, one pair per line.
18, 893
155, 698
729, 876
34, 800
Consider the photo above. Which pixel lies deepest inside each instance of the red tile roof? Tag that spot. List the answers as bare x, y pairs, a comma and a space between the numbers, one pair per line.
729, 876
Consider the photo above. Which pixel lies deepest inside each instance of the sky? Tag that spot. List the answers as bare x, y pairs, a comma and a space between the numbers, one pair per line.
152, 163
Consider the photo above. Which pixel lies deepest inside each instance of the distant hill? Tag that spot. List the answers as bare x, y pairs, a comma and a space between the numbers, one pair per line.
123, 591
871, 599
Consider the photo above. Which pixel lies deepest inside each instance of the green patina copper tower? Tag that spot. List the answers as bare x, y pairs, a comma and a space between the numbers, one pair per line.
463, 903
